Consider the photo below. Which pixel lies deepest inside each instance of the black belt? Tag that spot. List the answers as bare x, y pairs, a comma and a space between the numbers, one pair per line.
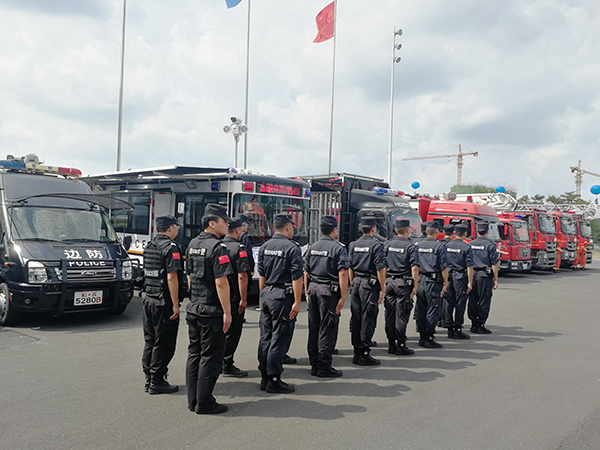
364, 275
398, 276
279, 285
452, 270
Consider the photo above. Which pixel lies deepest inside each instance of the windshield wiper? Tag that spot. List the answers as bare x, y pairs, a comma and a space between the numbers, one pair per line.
37, 239
81, 240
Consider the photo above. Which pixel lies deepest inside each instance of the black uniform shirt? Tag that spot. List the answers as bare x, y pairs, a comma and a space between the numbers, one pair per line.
445, 240
401, 255
460, 254
280, 260
240, 262
245, 239
325, 258
216, 264
366, 255
484, 253
432, 256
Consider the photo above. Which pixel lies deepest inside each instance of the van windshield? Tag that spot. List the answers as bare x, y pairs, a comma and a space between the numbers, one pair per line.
34, 223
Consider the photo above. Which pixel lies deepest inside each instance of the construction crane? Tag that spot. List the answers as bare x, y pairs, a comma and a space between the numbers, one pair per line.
459, 161
578, 171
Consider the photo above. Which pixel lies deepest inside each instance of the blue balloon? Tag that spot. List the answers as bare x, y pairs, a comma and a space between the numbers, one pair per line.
415, 185
501, 189
595, 189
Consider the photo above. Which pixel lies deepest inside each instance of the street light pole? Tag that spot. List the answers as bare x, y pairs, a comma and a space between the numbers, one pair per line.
120, 126
395, 60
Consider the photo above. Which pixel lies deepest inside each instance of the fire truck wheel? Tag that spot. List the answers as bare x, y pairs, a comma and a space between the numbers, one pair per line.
8, 313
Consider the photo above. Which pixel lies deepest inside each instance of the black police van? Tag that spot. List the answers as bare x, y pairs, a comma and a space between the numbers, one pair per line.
59, 252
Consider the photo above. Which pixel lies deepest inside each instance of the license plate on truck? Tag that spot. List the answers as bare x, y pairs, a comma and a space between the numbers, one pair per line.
85, 298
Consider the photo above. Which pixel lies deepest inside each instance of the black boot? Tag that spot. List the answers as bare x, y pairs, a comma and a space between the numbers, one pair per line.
458, 334
403, 350
422, 338
330, 372
276, 386
233, 371
147, 381
484, 330
392, 347
451, 333
430, 342
263, 382
365, 359
160, 385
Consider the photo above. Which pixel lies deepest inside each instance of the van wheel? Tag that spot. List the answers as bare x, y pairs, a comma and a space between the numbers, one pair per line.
8, 313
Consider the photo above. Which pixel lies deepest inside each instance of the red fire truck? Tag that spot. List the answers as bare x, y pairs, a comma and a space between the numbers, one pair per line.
515, 244
566, 236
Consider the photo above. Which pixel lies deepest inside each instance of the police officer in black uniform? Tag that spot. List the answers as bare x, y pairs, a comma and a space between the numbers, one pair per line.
238, 290
209, 311
433, 282
367, 275
402, 261
448, 236
460, 283
163, 274
485, 279
280, 283
326, 278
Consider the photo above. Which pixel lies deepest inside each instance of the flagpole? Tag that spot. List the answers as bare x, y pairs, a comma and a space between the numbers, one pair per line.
120, 126
333, 81
247, 83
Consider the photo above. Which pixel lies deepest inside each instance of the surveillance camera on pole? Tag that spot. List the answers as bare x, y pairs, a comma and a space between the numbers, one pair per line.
237, 129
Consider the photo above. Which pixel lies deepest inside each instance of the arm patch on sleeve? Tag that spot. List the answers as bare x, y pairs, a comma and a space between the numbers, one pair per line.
223, 259
243, 254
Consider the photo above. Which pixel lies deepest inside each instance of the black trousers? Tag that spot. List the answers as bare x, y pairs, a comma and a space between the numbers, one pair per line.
364, 309
456, 299
427, 309
276, 330
234, 334
398, 305
323, 324
205, 357
160, 338
480, 298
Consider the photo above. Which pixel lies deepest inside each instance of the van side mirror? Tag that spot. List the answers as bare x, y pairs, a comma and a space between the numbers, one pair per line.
127, 242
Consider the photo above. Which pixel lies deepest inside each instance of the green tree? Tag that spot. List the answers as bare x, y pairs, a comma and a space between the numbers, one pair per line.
538, 199
595, 231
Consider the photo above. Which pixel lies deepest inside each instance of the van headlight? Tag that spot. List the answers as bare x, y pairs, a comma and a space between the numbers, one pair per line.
126, 269
36, 272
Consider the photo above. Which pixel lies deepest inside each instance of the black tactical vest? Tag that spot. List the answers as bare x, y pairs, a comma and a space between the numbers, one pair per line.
155, 276
203, 288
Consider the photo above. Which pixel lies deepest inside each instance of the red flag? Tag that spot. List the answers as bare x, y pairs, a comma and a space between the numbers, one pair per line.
325, 23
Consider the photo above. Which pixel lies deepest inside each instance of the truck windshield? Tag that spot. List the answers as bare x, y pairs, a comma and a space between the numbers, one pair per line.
585, 229
520, 232
568, 227
34, 223
415, 222
546, 225
262, 208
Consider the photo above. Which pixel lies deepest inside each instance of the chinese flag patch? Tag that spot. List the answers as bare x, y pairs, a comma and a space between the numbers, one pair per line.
243, 254
176, 255
223, 259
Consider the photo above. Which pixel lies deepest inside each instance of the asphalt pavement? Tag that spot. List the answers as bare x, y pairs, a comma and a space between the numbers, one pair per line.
75, 383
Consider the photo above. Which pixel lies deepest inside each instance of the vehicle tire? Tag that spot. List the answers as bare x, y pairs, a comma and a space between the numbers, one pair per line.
8, 313
119, 310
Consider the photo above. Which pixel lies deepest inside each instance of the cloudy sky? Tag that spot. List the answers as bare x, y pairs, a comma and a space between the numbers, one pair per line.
517, 81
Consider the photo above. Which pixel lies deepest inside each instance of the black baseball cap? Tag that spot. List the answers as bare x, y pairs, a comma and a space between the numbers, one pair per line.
280, 220
212, 209
483, 227
329, 220
449, 228
235, 223
368, 221
433, 224
166, 221
402, 223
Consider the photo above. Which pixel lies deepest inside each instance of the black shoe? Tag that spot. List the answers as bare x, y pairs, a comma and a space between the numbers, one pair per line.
421, 342
146, 382
367, 360
432, 343
216, 409
451, 333
355, 359
484, 330
162, 387
232, 371
263, 383
329, 373
373, 344
289, 360
392, 349
336, 351
276, 386
313, 371
458, 334
403, 350
475, 329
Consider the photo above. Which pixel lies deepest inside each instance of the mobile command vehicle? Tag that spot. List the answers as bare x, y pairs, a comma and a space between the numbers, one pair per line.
447, 212
349, 197
60, 253
184, 192
515, 244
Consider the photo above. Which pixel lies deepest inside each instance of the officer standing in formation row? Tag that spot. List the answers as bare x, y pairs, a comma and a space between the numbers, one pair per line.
485, 265
433, 283
326, 282
367, 275
401, 285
